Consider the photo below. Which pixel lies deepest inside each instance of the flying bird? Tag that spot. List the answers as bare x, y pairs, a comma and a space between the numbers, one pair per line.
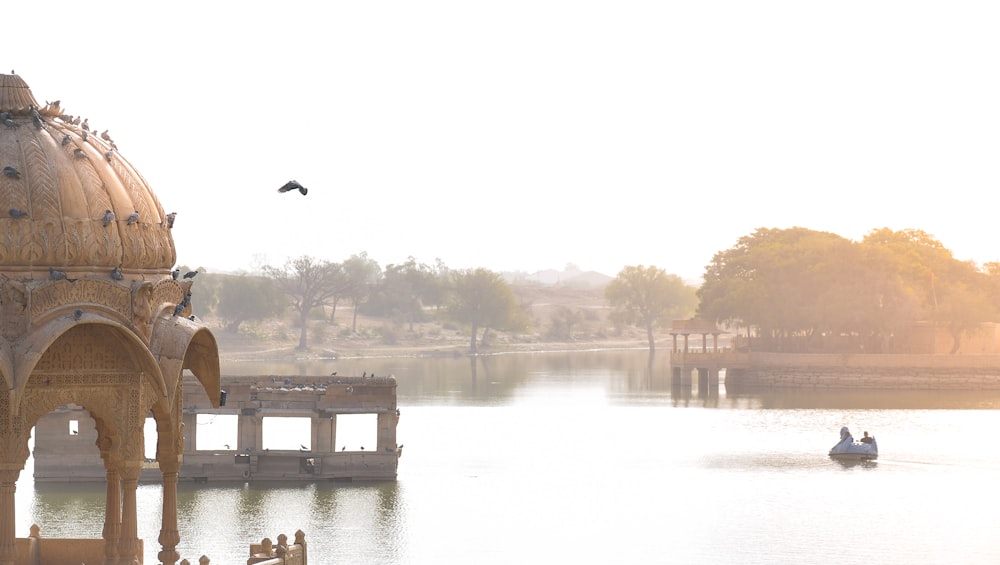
293, 185
109, 216
9, 171
132, 218
170, 219
190, 274
17, 213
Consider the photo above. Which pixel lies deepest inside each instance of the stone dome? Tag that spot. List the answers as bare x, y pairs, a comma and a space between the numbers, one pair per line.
59, 180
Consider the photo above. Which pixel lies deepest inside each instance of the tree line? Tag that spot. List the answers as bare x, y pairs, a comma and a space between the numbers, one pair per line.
796, 289
786, 289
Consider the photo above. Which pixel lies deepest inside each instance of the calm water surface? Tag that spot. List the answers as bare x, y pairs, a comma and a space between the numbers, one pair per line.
592, 457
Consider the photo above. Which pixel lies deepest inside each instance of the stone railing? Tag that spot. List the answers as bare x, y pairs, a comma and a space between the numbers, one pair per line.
267, 553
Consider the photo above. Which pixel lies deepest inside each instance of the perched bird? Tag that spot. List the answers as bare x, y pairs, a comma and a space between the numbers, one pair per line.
66, 139
344, 448
132, 218
84, 135
117, 274
192, 318
105, 136
9, 171
170, 219
11, 123
109, 216
179, 308
85, 125
293, 185
57, 275
77, 314
36, 117
190, 274
17, 213
79, 153
176, 273
108, 155
303, 448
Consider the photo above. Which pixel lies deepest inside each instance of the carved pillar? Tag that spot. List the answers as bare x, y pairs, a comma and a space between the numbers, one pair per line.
169, 536
128, 545
112, 517
190, 428
8, 484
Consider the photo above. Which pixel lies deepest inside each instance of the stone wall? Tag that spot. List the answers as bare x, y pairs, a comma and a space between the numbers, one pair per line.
898, 372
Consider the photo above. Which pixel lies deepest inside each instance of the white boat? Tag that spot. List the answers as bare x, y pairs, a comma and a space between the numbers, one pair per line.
850, 450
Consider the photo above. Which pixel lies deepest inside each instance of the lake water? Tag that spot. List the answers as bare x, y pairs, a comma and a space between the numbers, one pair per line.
593, 457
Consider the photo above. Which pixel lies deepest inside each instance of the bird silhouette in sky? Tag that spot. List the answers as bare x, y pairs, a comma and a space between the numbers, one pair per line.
293, 185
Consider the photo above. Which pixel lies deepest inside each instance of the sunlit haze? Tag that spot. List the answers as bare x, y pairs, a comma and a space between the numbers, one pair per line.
525, 135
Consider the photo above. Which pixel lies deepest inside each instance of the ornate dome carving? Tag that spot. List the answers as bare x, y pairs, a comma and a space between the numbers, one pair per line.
58, 181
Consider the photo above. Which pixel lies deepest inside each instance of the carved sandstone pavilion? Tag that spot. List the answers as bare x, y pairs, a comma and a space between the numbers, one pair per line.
87, 318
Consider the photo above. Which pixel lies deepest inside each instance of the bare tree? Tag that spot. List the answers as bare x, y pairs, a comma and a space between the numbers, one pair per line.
309, 283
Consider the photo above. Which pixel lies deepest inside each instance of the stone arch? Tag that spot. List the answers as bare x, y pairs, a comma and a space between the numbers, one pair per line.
55, 340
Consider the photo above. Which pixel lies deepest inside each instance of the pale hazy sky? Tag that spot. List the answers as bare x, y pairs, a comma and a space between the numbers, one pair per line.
523, 135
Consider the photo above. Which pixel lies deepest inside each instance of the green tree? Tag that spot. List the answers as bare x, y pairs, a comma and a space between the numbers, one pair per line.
791, 287
949, 293
308, 283
362, 274
405, 290
563, 320
245, 298
647, 297
481, 298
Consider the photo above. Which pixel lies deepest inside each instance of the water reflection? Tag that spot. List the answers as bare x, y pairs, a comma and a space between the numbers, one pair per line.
628, 377
621, 454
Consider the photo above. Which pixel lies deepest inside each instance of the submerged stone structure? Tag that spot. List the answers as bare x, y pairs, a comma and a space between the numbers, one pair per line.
64, 437
90, 316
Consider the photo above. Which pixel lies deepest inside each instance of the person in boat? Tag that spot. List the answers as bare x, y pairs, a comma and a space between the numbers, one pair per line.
867, 438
